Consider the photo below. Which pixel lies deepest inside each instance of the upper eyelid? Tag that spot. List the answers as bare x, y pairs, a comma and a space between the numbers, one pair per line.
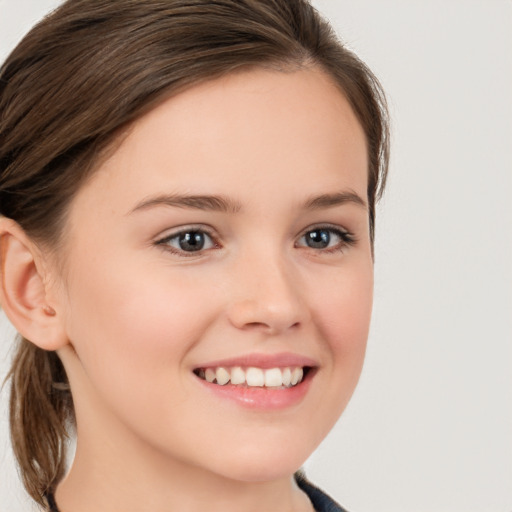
173, 232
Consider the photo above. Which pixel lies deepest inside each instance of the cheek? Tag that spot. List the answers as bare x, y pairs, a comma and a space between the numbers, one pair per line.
342, 311
134, 327
345, 311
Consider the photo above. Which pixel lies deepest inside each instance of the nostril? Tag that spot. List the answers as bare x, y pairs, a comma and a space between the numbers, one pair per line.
256, 325
270, 327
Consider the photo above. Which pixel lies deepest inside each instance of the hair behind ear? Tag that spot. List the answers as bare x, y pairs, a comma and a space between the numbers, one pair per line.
40, 412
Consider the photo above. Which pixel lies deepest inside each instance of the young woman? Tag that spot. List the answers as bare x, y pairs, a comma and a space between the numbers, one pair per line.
187, 191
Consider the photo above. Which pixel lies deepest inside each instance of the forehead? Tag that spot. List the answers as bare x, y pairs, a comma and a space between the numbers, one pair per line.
238, 133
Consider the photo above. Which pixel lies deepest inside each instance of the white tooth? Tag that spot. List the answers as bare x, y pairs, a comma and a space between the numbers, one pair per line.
255, 377
237, 375
273, 377
287, 377
297, 375
222, 376
209, 375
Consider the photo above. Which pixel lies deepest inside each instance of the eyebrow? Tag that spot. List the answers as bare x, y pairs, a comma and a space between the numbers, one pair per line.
335, 199
217, 203
198, 202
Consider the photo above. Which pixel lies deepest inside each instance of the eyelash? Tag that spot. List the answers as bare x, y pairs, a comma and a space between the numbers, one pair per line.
346, 239
164, 242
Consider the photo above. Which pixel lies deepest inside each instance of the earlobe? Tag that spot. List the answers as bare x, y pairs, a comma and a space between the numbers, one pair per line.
23, 293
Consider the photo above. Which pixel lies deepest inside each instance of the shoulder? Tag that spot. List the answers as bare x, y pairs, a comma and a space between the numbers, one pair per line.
319, 499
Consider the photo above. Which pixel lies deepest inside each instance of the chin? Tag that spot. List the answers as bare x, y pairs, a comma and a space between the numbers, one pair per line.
263, 463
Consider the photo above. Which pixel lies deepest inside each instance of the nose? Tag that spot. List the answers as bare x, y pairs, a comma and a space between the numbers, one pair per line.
267, 296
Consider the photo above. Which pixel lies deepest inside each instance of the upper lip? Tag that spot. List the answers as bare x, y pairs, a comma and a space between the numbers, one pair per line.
259, 360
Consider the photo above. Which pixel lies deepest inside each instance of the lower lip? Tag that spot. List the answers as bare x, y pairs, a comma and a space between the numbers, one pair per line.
262, 398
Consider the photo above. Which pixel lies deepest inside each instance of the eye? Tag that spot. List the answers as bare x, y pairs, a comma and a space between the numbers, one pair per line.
188, 241
326, 238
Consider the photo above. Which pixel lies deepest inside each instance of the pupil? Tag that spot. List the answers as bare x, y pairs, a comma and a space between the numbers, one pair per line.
318, 239
192, 241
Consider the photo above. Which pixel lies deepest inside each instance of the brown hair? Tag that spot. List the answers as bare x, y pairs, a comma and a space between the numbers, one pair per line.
90, 69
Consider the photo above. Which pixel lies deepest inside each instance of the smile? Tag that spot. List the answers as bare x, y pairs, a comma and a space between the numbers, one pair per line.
264, 382
254, 377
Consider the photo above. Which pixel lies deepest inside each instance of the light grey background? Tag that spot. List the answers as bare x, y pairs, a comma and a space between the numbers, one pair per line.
430, 425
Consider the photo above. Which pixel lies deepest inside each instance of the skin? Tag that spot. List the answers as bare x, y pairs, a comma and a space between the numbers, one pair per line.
137, 316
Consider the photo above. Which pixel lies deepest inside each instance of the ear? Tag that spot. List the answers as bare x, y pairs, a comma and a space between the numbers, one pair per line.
24, 294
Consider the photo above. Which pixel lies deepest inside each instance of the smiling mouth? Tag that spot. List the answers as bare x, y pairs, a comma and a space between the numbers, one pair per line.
253, 377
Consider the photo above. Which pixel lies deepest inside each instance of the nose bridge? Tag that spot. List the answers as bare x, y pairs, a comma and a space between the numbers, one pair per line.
267, 292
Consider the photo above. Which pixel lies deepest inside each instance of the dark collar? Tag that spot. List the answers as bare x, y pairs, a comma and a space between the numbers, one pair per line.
321, 502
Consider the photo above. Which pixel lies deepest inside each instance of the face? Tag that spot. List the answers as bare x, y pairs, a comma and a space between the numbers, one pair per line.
218, 280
